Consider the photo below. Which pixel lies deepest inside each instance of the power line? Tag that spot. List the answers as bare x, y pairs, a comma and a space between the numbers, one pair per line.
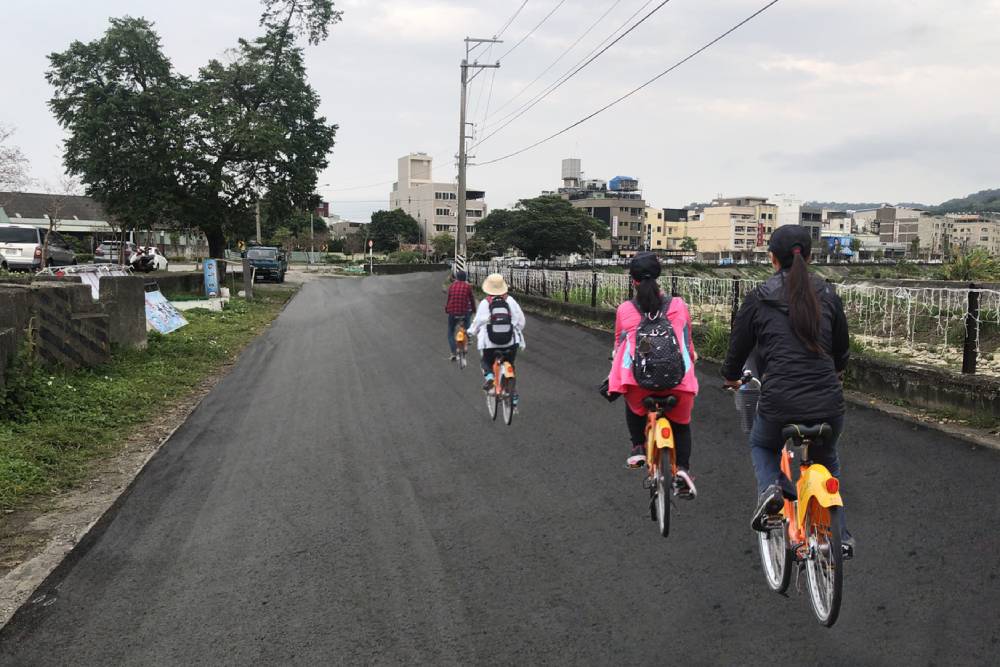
532, 31
576, 66
638, 88
559, 84
511, 19
561, 56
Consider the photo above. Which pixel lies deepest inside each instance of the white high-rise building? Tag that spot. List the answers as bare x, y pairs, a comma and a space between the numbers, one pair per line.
433, 205
789, 208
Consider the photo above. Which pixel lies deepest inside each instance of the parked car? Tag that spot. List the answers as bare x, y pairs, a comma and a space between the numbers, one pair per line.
21, 247
109, 252
268, 263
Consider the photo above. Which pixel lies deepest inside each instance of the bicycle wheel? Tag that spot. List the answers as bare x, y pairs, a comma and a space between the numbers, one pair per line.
462, 362
491, 403
776, 558
508, 400
825, 565
663, 491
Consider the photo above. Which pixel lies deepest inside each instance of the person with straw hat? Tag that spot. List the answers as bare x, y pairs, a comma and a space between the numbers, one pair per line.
501, 320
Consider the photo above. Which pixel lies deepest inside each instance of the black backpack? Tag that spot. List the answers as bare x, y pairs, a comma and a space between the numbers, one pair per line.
500, 329
658, 363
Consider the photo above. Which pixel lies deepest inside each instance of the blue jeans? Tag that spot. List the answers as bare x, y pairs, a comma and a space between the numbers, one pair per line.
766, 445
452, 321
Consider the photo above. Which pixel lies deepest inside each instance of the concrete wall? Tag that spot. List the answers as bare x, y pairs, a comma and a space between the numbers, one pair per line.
123, 298
393, 269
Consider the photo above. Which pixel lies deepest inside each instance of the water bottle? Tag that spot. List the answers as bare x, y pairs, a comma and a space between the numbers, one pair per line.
746, 399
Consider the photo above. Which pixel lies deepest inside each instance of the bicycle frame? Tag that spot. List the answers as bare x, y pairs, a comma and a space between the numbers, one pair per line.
815, 483
461, 337
502, 368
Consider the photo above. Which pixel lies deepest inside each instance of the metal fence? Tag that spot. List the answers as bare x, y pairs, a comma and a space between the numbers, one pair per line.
952, 327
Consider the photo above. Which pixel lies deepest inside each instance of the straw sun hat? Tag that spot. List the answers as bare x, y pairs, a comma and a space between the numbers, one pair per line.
495, 285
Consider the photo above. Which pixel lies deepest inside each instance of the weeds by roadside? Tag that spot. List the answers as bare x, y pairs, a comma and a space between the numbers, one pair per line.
54, 422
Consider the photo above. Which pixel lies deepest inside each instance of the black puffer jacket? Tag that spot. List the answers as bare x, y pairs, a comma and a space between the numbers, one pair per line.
798, 384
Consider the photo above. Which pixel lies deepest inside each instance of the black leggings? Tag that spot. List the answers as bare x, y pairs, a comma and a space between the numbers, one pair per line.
682, 436
491, 353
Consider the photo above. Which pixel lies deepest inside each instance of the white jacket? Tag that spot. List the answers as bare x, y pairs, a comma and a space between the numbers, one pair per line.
478, 327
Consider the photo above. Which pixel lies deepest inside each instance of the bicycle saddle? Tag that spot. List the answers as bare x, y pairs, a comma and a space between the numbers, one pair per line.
800, 432
659, 403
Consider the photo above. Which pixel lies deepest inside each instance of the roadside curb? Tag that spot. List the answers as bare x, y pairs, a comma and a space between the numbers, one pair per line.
24, 581
964, 433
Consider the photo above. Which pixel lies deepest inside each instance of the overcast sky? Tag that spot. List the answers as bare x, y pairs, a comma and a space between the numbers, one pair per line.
895, 100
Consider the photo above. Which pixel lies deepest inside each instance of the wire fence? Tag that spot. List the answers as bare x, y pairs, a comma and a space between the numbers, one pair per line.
951, 327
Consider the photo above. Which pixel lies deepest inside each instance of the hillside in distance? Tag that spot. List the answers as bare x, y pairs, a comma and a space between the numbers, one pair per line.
984, 201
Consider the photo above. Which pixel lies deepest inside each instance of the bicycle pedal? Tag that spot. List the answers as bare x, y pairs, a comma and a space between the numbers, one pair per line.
647, 482
773, 523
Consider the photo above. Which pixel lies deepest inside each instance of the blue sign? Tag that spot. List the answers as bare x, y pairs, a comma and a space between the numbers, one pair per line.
211, 277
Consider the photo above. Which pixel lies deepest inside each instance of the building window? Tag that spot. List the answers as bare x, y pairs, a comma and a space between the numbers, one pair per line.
443, 228
445, 195
659, 229
739, 230
442, 211
475, 213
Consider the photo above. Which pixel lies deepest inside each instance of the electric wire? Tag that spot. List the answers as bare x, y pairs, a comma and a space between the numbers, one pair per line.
532, 31
573, 69
511, 19
636, 89
558, 84
556, 61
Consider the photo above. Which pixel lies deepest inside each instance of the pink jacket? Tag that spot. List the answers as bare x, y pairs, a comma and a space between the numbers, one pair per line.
626, 323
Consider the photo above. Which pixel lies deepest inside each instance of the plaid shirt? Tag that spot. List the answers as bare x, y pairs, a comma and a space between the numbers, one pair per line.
460, 299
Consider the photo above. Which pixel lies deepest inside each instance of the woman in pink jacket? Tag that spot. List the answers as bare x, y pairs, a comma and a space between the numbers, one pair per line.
644, 271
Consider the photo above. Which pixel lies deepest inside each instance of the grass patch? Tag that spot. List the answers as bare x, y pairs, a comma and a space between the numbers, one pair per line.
55, 422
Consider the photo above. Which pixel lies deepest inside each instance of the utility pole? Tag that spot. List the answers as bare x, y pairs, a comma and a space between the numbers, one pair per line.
470, 45
258, 222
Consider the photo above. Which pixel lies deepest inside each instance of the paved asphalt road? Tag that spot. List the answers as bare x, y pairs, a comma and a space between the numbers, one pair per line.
342, 498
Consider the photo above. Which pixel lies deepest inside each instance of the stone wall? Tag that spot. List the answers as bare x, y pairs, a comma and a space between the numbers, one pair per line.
124, 301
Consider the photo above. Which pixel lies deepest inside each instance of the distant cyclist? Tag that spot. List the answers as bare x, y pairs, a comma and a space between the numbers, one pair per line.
632, 324
459, 306
498, 326
796, 323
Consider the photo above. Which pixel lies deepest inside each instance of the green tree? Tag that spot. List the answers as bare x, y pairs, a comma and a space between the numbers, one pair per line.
390, 228
154, 146
355, 242
977, 264
444, 244
542, 227
855, 246
122, 106
915, 247
688, 244
478, 247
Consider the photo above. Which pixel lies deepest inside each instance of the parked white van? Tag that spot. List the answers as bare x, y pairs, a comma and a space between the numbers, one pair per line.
21, 247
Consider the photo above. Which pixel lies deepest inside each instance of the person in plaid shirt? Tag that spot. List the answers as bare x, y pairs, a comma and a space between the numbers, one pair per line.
459, 306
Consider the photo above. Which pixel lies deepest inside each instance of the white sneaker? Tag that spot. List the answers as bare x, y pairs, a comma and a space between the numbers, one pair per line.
685, 488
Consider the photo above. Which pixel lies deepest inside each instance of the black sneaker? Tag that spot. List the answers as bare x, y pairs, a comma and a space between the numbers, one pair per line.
769, 504
847, 545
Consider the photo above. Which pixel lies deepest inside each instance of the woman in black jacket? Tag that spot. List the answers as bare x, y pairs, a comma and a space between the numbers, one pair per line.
795, 325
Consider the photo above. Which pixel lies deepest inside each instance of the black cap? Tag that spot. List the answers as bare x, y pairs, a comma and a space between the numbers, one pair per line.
786, 239
644, 265
461, 276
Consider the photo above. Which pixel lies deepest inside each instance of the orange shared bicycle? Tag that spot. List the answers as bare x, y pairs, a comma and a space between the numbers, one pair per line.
461, 345
661, 461
808, 530
502, 395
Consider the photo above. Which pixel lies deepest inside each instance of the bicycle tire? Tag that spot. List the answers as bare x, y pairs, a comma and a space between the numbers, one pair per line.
491, 403
664, 488
776, 558
508, 400
825, 566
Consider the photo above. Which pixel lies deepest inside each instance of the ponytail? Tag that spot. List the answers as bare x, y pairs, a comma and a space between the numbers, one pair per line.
647, 293
803, 306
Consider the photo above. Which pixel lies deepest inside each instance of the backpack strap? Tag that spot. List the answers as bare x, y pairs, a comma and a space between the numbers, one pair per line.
665, 309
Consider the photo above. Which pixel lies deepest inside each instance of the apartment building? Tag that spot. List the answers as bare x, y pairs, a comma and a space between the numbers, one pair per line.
735, 224
434, 205
665, 228
618, 203
966, 231
898, 224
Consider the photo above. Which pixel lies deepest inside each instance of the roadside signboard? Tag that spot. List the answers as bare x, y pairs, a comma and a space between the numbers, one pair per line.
211, 269
614, 226
161, 315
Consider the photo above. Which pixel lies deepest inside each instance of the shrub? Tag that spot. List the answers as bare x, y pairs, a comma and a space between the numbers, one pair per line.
406, 257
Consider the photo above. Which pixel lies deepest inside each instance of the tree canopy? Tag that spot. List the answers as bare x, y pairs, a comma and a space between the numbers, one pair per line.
390, 228
541, 228
154, 146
